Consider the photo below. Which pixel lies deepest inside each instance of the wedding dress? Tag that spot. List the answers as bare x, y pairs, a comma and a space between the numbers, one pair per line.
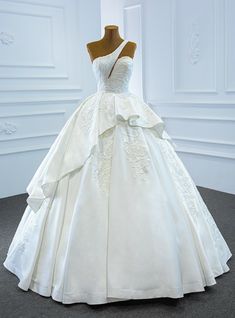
112, 212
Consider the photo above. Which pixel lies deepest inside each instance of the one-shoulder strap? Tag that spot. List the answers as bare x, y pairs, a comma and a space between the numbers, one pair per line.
116, 54
120, 47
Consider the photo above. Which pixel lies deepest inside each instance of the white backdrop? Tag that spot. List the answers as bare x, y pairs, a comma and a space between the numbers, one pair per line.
45, 71
184, 68
186, 61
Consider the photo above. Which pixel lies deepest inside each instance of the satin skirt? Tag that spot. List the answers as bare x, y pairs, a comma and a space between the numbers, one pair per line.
128, 224
117, 217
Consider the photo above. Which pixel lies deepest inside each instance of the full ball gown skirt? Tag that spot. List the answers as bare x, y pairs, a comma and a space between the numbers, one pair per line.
112, 212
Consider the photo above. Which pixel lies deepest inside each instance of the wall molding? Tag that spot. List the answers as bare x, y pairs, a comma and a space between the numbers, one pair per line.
207, 141
48, 101
8, 128
51, 44
24, 149
156, 103
30, 114
35, 77
50, 77
52, 134
194, 49
199, 114
6, 38
228, 90
55, 100
205, 153
133, 16
173, 34
28, 66
193, 148
53, 64
60, 90
132, 6
35, 4
40, 89
197, 118
40, 96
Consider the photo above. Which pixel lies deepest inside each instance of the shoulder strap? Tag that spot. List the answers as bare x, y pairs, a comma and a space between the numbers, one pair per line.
117, 54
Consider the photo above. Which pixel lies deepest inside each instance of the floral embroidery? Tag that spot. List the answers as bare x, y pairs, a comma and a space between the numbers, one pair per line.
137, 152
102, 160
107, 108
186, 187
215, 231
27, 232
86, 119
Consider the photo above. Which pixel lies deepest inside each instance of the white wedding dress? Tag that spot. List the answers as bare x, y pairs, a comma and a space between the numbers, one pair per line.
112, 212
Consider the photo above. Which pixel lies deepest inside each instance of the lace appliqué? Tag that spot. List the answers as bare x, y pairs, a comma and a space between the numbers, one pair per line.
27, 233
209, 219
186, 187
86, 118
102, 160
107, 109
137, 152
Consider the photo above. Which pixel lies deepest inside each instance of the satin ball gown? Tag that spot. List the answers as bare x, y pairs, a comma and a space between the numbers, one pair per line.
112, 213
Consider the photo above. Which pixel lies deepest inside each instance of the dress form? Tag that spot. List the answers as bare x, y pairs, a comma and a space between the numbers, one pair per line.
110, 41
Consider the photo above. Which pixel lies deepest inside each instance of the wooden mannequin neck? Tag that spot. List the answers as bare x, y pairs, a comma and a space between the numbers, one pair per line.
112, 35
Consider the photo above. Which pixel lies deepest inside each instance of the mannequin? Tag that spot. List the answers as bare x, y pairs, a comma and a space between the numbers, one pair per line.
110, 41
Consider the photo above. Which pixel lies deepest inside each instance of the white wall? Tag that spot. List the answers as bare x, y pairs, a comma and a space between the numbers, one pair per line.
45, 72
185, 56
112, 13
190, 80
127, 15
188, 69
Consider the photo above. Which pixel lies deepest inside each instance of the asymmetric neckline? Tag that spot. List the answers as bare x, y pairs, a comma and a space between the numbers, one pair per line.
120, 45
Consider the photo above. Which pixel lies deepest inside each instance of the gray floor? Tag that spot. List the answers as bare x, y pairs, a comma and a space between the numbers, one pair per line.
217, 301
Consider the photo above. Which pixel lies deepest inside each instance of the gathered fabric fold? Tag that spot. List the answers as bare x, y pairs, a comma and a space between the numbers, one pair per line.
79, 136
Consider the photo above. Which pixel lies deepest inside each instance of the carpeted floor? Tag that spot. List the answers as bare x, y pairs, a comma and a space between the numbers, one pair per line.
217, 301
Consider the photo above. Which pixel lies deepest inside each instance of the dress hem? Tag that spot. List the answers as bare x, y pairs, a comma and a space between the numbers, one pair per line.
117, 294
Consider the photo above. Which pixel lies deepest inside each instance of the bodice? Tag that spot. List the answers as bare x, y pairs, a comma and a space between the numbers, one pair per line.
112, 72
